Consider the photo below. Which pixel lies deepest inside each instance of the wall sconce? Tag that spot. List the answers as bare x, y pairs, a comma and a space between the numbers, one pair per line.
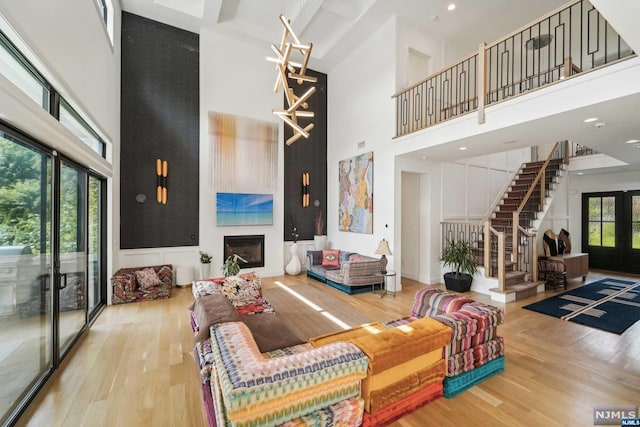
162, 169
305, 189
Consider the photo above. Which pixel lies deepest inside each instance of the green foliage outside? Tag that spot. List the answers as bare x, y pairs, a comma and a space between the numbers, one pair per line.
20, 196
24, 208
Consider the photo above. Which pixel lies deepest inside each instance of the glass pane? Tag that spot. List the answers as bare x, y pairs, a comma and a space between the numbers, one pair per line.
25, 266
609, 234
73, 256
79, 128
17, 74
94, 243
635, 236
594, 234
594, 209
635, 208
608, 208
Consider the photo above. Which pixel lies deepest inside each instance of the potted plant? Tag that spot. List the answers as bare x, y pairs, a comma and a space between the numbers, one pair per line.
459, 255
231, 266
205, 265
320, 239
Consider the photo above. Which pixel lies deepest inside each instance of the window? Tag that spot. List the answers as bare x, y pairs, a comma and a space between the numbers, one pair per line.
72, 121
105, 9
602, 221
19, 72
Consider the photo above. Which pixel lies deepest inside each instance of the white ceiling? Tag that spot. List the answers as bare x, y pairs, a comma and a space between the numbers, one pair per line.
336, 27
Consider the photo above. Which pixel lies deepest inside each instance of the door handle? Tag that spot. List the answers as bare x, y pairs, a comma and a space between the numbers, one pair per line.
62, 280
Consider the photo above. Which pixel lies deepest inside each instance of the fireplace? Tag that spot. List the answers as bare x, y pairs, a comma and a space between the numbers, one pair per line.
250, 248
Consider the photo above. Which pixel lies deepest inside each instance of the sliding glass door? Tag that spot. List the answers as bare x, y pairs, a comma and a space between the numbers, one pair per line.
26, 260
52, 279
71, 266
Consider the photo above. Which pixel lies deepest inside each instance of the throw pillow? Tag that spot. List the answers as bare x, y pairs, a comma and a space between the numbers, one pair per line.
210, 310
355, 257
242, 289
330, 257
147, 278
269, 332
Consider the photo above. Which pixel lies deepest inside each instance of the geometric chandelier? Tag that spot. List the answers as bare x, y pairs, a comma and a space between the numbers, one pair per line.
289, 72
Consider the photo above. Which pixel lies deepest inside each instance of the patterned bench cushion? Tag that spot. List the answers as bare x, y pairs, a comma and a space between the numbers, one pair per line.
393, 375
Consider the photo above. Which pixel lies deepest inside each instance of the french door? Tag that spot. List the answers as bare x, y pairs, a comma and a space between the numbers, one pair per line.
52, 264
611, 230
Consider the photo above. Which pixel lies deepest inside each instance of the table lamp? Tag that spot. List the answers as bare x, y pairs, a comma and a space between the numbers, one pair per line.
383, 249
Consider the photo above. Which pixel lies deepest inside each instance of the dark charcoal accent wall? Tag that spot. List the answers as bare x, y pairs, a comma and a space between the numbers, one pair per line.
307, 155
159, 119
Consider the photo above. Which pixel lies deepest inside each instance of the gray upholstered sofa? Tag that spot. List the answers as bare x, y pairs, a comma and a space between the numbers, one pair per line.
352, 273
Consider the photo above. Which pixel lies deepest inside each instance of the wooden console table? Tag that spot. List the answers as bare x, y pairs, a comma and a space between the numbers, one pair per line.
577, 264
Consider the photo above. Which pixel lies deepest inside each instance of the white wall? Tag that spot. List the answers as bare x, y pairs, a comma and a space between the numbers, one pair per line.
422, 203
471, 187
70, 40
411, 224
236, 79
360, 109
409, 37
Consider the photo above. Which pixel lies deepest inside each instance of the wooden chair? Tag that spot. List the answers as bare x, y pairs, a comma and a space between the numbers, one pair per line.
552, 272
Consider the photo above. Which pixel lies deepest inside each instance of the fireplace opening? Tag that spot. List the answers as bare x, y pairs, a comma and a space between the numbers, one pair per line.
250, 248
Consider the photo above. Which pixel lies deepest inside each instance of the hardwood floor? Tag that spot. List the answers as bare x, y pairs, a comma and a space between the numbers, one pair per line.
135, 367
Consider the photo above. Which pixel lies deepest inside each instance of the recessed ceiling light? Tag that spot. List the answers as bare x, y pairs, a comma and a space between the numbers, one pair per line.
599, 125
462, 148
632, 141
590, 119
451, 7
423, 157
580, 173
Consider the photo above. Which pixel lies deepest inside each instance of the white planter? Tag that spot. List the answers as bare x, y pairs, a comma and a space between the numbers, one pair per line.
205, 270
320, 242
294, 267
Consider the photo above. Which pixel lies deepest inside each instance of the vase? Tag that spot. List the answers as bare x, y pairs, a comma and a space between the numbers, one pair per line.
294, 267
205, 270
320, 242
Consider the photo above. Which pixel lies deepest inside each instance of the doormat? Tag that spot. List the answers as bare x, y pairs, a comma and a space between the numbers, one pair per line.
611, 305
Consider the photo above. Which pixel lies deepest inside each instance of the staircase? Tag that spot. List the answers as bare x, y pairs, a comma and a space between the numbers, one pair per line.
518, 277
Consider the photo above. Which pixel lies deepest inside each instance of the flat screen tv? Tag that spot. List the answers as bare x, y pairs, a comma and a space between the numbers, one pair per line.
244, 209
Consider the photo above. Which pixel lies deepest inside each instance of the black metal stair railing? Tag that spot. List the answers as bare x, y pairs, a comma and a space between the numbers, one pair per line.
569, 41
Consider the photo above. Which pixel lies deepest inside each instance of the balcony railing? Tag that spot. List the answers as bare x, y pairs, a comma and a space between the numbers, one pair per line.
566, 42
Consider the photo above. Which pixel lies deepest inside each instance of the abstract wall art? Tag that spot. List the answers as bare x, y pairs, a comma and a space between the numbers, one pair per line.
356, 194
244, 154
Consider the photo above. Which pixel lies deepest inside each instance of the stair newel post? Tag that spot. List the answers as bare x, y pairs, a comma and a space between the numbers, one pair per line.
514, 239
534, 256
487, 249
501, 261
565, 152
543, 184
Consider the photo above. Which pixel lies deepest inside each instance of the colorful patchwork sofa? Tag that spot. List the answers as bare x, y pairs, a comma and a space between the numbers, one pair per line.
347, 271
142, 283
294, 386
476, 351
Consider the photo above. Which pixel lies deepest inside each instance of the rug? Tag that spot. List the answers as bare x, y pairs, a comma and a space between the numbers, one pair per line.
611, 305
